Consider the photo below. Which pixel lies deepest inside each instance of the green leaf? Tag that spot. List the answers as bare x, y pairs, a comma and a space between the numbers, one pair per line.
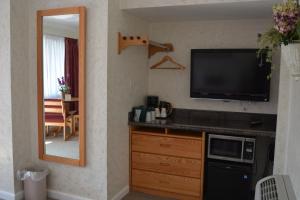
298, 29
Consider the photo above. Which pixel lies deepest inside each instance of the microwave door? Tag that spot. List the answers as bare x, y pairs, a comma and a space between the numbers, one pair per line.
225, 148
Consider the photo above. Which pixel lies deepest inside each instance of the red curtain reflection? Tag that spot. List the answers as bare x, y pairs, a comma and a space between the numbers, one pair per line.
72, 68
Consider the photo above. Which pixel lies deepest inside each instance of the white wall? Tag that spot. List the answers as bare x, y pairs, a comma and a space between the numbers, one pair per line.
174, 85
127, 87
283, 118
6, 145
90, 181
293, 150
116, 87
14, 146
19, 87
287, 154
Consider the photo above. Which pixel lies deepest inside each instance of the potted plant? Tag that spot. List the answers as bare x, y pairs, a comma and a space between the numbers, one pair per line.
285, 34
64, 88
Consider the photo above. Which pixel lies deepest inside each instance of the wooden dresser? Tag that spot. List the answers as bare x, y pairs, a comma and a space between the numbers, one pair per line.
167, 162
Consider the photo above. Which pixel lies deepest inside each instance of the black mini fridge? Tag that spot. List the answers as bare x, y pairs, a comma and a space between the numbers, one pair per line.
228, 181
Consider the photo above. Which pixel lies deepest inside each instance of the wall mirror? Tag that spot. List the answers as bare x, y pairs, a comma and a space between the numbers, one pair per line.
61, 85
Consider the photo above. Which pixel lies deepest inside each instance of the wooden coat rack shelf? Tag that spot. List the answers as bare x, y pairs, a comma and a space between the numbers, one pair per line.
153, 47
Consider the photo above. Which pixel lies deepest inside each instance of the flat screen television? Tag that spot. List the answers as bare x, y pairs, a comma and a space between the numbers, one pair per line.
236, 74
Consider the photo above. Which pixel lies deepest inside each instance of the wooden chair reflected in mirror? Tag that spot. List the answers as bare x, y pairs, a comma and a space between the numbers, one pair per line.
61, 85
58, 116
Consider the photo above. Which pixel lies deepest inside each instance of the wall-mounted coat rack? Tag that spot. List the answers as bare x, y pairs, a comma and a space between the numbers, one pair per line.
153, 47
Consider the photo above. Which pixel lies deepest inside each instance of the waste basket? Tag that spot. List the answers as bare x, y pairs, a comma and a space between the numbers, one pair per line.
35, 186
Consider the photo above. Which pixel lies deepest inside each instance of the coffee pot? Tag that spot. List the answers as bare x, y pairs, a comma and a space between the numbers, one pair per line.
166, 107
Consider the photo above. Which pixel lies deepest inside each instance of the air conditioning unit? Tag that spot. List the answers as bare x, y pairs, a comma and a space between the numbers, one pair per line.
278, 187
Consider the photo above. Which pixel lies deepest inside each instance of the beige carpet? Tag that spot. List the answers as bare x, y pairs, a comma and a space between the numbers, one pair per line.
56, 146
139, 196
142, 196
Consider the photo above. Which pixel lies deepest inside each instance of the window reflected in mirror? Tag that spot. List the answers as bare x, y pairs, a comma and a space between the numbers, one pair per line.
61, 85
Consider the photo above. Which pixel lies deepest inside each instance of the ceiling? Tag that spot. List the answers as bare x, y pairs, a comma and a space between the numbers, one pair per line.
71, 20
206, 11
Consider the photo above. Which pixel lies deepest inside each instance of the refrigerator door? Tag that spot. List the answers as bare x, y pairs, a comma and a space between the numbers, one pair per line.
228, 181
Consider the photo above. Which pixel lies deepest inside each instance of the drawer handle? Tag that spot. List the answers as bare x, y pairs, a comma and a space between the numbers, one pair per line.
165, 164
165, 145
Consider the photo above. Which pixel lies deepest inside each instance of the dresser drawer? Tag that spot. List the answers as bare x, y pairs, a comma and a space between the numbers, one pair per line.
167, 164
168, 183
188, 148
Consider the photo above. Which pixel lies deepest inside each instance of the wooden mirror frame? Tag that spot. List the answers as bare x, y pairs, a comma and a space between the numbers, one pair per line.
40, 90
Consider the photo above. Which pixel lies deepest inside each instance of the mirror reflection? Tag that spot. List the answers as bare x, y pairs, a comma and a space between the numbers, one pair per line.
61, 85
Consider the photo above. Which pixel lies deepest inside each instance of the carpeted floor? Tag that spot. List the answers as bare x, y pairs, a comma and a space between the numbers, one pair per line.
56, 146
142, 196
138, 196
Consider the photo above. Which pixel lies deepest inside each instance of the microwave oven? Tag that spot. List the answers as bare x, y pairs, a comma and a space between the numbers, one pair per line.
231, 148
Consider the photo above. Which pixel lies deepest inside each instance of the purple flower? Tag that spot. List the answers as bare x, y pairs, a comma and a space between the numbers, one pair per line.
285, 19
63, 87
59, 82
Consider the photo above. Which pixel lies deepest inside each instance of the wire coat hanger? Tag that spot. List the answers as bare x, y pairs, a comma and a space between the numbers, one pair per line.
165, 59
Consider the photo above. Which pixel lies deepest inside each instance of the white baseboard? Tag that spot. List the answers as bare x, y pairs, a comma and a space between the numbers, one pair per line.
11, 196
64, 196
120, 195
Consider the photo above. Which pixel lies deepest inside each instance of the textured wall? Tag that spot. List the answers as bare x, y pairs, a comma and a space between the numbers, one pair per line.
127, 87
293, 149
174, 85
6, 146
287, 157
284, 108
20, 85
122, 83
90, 181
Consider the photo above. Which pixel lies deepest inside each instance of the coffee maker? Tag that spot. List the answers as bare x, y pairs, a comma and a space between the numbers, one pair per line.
164, 107
152, 101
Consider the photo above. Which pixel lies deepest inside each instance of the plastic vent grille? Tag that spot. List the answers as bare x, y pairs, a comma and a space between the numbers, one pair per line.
269, 190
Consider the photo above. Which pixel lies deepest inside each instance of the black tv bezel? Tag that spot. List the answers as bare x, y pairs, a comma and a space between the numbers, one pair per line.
223, 96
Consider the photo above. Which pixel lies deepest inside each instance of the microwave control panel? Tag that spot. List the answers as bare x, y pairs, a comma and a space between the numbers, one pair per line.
249, 150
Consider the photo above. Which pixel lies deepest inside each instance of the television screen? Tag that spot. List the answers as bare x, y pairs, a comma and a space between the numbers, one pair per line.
237, 74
